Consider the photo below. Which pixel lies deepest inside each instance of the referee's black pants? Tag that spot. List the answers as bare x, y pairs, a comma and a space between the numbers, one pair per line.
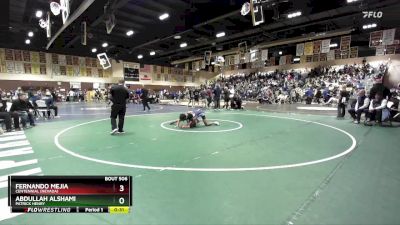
145, 103
118, 111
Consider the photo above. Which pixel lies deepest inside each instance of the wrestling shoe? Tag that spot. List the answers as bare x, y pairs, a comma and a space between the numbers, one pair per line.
216, 123
121, 132
114, 131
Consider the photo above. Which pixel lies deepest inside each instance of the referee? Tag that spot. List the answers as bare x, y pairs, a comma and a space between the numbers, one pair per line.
118, 96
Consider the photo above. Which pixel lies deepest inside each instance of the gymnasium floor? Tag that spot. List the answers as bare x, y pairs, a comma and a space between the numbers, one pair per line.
259, 167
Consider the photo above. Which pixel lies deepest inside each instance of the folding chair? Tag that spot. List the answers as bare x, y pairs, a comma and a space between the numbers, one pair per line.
42, 108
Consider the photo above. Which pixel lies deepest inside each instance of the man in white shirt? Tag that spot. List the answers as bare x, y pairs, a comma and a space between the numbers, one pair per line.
360, 107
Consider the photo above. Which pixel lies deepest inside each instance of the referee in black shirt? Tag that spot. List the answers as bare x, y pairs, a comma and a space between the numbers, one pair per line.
118, 96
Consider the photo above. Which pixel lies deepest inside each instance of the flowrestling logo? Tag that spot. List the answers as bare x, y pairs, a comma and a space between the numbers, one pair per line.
372, 14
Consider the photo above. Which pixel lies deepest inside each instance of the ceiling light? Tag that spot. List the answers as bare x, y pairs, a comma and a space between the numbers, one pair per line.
39, 13
350, 1
245, 9
94, 50
221, 34
105, 45
27, 41
152, 53
164, 16
333, 45
140, 56
55, 8
177, 37
184, 44
294, 14
30, 34
369, 26
130, 32
280, 52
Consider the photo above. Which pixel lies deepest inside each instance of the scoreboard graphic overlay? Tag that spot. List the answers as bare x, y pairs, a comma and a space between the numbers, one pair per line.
70, 194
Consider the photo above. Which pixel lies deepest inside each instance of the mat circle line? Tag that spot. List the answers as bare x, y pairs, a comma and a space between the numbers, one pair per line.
203, 131
243, 169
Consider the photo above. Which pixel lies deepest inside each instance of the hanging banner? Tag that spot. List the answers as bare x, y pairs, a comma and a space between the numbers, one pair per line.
375, 38
9, 54
388, 36
271, 61
325, 45
19, 67
69, 60
18, 55
331, 55
54, 58
70, 71
35, 57
282, 60
345, 43
82, 71
63, 71
253, 55
42, 57
345, 54
289, 59
317, 47
43, 69
10, 67
322, 57
391, 49
380, 50
55, 70
264, 54
35, 68
353, 52
28, 68
338, 54
62, 60
300, 49
26, 55
303, 59
308, 48
237, 59
247, 57
315, 58
75, 60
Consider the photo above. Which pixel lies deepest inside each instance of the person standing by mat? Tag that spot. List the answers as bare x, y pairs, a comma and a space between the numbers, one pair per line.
145, 99
119, 94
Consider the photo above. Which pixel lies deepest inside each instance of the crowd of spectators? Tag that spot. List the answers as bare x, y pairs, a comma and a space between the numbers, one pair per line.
358, 88
23, 108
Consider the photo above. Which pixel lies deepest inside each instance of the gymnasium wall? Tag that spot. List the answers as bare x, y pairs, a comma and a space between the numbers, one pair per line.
38, 69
